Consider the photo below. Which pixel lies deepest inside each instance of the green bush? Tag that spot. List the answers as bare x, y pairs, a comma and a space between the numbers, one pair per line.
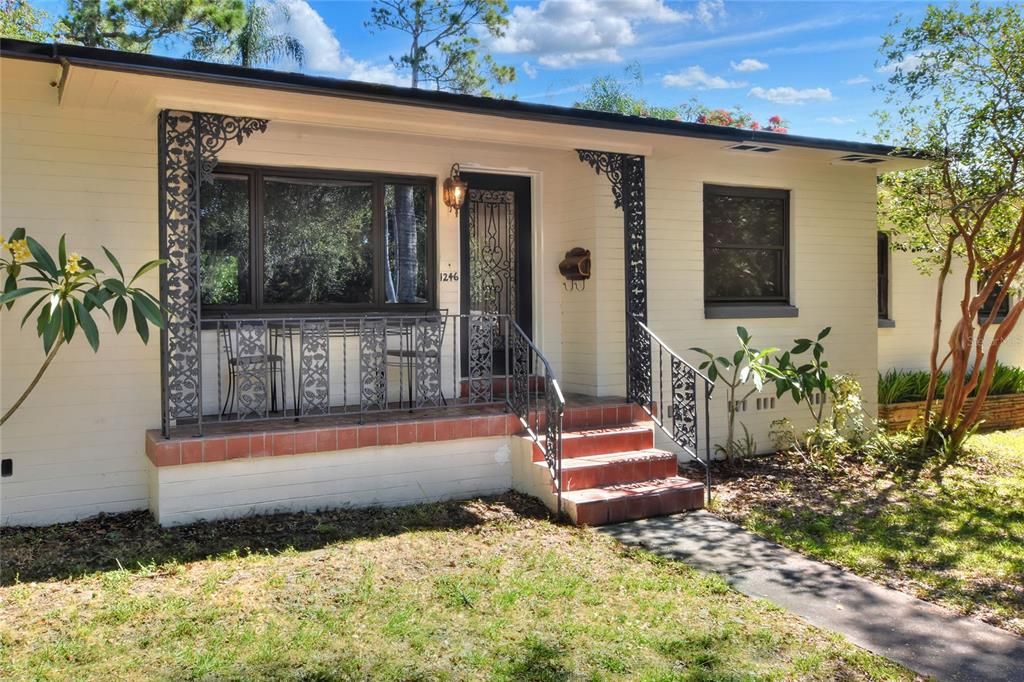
910, 385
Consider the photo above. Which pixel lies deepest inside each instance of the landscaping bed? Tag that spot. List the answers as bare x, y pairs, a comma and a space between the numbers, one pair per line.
953, 536
489, 589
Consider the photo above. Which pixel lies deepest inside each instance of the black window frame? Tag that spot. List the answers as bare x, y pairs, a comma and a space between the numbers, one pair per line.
986, 308
257, 308
756, 193
884, 274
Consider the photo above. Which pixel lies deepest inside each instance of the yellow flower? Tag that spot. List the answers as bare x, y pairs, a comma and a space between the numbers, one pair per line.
4, 244
73, 267
19, 248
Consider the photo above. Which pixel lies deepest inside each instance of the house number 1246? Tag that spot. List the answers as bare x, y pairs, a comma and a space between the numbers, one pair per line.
449, 277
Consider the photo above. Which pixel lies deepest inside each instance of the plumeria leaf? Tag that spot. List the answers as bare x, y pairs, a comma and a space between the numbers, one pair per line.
149, 309
43, 258
52, 328
140, 322
120, 314
62, 252
68, 319
113, 261
18, 293
32, 308
10, 284
115, 286
19, 233
43, 319
824, 332
92, 334
146, 268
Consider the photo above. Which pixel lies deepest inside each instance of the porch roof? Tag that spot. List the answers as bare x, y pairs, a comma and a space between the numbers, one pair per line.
227, 74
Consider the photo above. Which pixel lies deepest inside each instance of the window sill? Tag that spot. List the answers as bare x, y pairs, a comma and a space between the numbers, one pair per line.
730, 312
886, 324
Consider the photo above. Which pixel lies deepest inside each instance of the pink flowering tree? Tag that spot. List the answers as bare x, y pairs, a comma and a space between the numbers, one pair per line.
732, 118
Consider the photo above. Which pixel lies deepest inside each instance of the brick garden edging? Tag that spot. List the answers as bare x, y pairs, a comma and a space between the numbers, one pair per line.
999, 412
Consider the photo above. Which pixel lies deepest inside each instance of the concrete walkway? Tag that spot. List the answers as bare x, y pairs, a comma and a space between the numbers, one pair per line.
926, 638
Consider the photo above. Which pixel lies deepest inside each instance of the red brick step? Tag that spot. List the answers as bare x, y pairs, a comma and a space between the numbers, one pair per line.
613, 504
603, 441
592, 471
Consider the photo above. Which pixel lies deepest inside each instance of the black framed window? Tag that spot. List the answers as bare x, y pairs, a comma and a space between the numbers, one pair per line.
276, 240
883, 276
989, 305
746, 245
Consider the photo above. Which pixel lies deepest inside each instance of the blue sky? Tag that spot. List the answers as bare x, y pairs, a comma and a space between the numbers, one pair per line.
813, 63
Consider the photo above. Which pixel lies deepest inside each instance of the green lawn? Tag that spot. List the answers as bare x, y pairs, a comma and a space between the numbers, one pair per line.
955, 537
479, 590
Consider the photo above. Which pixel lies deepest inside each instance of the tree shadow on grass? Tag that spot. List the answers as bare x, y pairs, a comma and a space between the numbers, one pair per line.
130, 540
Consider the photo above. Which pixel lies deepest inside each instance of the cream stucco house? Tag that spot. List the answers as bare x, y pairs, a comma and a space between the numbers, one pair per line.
338, 335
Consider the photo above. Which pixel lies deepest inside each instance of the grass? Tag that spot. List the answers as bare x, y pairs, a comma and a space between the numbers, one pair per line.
955, 537
481, 590
908, 385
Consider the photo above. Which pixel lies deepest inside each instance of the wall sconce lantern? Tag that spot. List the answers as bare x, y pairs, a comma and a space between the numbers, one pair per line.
454, 190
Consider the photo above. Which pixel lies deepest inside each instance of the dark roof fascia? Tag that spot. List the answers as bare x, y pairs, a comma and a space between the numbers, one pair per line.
227, 74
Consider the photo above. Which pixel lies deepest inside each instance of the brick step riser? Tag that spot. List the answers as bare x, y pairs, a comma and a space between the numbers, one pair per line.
603, 512
603, 444
606, 416
618, 473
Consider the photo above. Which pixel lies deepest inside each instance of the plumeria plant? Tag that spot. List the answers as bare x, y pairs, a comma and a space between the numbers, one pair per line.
68, 291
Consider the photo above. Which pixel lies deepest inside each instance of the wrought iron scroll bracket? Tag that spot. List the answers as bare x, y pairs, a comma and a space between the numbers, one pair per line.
189, 143
627, 175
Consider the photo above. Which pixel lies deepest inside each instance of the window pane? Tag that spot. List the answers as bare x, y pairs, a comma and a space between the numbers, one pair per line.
753, 221
405, 210
224, 241
743, 274
318, 244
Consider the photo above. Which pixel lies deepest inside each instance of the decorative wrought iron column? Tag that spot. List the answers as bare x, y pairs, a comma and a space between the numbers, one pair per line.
627, 174
189, 142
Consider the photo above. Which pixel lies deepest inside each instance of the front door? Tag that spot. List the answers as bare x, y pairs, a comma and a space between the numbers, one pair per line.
495, 229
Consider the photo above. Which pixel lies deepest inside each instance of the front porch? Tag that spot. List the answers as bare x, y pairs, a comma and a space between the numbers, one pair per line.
609, 469
394, 365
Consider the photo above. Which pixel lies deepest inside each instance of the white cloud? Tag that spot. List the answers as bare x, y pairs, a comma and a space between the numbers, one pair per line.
697, 78
748, 65
837, 120
788, 95
529, 70
323, 53
745, 39
710, 12
564, 33
909, 63
823, 46
859, 79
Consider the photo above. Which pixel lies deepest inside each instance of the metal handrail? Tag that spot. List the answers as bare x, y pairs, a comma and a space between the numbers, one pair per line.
682, 410
524, 369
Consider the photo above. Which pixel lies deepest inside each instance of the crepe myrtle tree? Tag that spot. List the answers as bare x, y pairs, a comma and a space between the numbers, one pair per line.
956, 96
68, 291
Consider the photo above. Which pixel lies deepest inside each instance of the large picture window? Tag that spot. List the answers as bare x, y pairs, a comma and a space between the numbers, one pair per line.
746, 245
279, 241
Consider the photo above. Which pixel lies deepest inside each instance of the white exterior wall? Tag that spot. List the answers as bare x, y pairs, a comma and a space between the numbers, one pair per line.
908, 344
89, 172
89, 168
832, 266
375, 476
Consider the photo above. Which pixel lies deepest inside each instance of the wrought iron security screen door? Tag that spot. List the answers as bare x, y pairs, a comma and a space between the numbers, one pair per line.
496, 264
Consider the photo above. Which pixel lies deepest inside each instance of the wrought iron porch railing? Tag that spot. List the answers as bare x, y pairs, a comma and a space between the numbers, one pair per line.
678, 418
536, 398
289, 368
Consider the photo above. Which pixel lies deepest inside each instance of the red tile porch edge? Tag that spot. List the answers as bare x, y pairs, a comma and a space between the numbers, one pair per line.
284, 442
178, 451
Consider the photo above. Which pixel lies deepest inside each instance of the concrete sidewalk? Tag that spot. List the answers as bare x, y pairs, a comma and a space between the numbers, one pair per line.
926, 638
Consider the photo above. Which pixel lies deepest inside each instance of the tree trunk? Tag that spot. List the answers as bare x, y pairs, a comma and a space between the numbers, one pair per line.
389, 238
408, 271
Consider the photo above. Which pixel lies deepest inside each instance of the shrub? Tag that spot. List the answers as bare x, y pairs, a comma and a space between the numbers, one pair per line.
911, 385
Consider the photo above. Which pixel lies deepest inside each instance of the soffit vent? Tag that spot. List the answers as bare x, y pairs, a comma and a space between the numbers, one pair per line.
860, 158
752, 147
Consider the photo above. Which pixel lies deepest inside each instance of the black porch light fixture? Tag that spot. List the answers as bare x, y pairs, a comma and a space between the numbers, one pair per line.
454, 190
